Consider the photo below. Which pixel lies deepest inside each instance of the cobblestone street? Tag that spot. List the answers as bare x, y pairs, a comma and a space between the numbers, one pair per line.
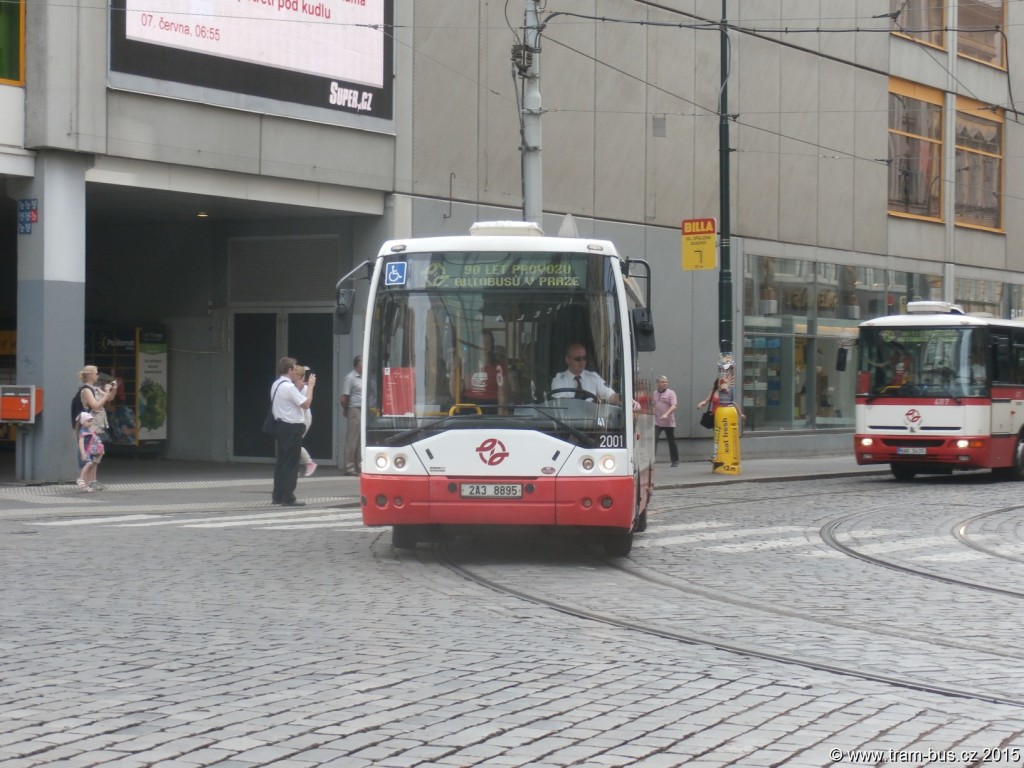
189, 623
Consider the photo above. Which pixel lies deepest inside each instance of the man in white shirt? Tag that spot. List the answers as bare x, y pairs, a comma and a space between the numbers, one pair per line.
288, 405
577, 379
351, 407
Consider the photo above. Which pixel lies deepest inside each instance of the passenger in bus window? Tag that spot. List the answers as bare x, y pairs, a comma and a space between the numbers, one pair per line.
977, 368
486, 384
578, 381
900, 367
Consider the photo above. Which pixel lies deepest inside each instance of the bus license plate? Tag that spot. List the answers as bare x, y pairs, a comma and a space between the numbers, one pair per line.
491, 491
911, 451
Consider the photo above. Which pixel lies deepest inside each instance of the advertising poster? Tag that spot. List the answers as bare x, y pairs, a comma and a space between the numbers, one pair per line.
281, 56
151, 382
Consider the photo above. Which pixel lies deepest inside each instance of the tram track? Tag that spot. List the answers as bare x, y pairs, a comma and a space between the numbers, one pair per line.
442, 554
829, 535
961, 533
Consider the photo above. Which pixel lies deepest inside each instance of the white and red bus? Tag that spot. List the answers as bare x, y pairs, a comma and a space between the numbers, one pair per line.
938, 391
463, 424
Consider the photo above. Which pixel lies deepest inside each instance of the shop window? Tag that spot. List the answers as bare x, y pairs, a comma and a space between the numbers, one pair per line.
797, 314
12, 42
919, 19
978, 30
979, 164
915, 150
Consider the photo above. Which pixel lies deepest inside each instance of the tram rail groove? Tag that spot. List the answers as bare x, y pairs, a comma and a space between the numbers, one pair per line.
961, 533
442, 556
662, 579
828, 535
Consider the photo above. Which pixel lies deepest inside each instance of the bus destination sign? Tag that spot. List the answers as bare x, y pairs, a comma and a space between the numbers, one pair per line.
475, 271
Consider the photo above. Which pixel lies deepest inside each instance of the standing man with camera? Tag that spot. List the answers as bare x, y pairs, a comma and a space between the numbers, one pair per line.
289, 404
352, 406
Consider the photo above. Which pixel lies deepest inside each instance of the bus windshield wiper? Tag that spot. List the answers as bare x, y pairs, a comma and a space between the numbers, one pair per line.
401, 437
587, 440
945, 391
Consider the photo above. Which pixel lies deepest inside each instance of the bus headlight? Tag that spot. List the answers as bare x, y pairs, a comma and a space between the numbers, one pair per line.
587, 463
381, 460
962, 443
399, 461
608, 463
866, 442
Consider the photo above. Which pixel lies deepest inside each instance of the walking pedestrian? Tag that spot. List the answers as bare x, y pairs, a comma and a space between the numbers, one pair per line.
352, 407
287, 405
665, 405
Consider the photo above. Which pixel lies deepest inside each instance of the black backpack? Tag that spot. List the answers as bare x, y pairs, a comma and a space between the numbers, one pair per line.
76, 405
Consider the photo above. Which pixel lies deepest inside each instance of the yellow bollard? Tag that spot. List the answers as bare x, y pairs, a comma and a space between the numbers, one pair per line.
727, 440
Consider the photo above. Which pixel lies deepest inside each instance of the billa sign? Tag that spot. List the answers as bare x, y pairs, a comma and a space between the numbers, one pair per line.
700, 244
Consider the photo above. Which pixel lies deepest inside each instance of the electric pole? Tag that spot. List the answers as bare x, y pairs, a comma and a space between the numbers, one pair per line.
725, 272
527, 60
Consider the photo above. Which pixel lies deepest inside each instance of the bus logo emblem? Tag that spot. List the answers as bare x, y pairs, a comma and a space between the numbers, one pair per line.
912, 416
492, 452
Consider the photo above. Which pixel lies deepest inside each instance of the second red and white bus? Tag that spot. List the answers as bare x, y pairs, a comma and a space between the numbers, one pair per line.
939, 391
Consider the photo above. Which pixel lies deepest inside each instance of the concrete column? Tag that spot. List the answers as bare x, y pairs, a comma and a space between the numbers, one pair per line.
51, 310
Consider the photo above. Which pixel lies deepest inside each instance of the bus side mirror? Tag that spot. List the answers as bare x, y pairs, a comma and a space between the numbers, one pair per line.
343, 308
841, 358
643, 329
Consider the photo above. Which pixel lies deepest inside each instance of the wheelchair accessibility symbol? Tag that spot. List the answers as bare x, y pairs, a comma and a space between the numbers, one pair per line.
394, 273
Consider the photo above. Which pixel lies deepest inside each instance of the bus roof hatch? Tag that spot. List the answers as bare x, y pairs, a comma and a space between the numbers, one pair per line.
933, 308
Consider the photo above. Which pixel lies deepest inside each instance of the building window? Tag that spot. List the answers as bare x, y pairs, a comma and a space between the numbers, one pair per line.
915, 150
979, 165
12, 45
978, 31
919, 19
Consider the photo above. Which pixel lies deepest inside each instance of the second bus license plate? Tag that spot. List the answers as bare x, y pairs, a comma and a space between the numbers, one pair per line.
912, 451
491, 491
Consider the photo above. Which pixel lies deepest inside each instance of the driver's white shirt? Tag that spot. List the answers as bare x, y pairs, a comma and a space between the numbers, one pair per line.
590, 381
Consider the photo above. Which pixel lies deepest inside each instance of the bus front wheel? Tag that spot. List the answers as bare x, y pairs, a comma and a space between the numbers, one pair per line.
618, 543
902, 473
1016, 470
404, 536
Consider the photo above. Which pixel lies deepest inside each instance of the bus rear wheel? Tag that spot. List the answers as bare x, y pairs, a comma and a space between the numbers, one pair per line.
901, 473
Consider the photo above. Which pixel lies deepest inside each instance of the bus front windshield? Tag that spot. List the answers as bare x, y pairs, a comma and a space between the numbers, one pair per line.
486, 339
922, 362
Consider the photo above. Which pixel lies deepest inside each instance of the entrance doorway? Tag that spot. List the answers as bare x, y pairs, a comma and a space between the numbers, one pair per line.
260, 340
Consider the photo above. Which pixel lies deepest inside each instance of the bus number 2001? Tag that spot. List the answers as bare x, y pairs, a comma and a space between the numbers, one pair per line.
613, 441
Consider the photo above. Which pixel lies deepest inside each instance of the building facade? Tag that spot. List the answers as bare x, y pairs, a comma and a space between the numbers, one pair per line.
211, 174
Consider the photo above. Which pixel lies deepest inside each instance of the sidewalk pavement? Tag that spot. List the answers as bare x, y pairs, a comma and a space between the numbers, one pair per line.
172, 476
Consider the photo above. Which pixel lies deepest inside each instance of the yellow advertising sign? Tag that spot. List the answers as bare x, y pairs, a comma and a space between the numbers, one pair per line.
700, 244
727, 435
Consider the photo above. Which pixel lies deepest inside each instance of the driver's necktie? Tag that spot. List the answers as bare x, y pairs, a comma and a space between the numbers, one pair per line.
579, 388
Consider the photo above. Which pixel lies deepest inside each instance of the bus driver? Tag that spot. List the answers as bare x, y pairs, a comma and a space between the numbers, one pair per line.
577, 377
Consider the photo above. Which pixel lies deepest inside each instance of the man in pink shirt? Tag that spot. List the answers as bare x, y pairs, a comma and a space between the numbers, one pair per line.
665, 418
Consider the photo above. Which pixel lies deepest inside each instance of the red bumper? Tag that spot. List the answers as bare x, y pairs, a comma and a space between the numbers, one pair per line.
390, 500
937, 452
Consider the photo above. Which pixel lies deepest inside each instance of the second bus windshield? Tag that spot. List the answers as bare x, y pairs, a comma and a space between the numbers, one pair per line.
939, 362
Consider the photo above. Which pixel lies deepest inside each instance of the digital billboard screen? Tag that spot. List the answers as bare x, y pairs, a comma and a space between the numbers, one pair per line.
330, 56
